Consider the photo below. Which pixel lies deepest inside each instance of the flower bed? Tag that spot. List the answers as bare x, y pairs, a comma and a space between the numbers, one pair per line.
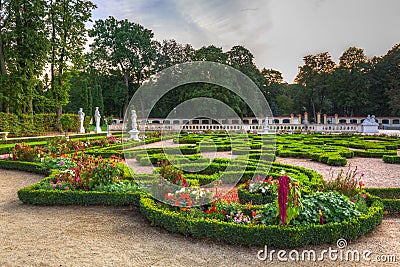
259, 235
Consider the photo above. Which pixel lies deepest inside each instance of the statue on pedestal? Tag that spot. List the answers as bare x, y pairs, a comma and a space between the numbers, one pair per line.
134, 133
81, 116
97, 119
369, 125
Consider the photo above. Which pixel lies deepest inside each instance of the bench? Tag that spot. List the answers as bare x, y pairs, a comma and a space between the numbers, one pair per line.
4, 135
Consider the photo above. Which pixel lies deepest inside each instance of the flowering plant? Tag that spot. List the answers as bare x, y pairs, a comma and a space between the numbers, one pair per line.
91, 171
61, 163
289, 199
188, 196
348, 183
263, 186
26, 152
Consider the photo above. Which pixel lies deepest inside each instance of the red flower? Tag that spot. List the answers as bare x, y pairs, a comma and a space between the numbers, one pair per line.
253, 213
177, 203
283, 193
223, 212
364, 195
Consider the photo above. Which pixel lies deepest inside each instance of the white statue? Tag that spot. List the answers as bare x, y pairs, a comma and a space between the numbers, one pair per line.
97, 119
134, 117
372, 120
369, 125
134, 133
368, 119
81, 116
266, 123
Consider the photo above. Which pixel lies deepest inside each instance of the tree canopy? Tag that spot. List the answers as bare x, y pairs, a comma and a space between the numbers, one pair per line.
44, 67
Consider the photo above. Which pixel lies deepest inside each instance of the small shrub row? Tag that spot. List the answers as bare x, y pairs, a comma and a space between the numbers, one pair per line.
33, 195
23, 166
390, 198
391, 159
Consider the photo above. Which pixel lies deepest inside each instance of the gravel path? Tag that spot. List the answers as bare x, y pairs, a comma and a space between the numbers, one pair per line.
376, 172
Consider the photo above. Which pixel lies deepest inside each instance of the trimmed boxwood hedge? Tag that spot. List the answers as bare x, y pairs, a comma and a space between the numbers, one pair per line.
259, 235
390, 198
33, 195
23, 166
391, 159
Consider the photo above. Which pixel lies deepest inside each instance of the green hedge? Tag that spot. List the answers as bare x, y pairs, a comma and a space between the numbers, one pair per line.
33, 195
390, 198
23, 166
260, 235
374, 153
391, 159
38, 124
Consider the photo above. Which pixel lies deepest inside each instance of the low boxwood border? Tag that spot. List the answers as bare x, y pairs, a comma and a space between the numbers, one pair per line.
23, 166
390, 198
33, 195
259, 235
391, 159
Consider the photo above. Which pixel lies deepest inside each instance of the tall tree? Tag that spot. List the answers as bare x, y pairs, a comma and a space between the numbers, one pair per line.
23, 48
170, 53
351, 83
211, 53
66, 24
126, 46
315, 76
391, 65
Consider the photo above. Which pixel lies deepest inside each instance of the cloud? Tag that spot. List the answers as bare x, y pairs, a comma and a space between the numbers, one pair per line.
279, 33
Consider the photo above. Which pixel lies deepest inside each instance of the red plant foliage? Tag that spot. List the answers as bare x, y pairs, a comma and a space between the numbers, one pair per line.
283, 193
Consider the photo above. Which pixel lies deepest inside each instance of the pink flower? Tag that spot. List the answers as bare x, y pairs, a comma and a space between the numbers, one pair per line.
364, 195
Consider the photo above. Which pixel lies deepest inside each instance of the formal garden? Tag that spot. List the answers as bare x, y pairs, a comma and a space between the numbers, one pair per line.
274, 204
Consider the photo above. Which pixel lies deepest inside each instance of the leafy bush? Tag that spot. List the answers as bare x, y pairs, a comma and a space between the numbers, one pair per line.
326, 207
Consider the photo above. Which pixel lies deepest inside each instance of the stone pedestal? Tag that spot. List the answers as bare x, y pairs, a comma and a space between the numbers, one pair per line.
299, 119
325, 119
134, 134
318, 118
291, 118
336, 119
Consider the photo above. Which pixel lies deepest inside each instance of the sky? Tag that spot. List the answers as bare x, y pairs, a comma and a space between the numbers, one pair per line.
279, 33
